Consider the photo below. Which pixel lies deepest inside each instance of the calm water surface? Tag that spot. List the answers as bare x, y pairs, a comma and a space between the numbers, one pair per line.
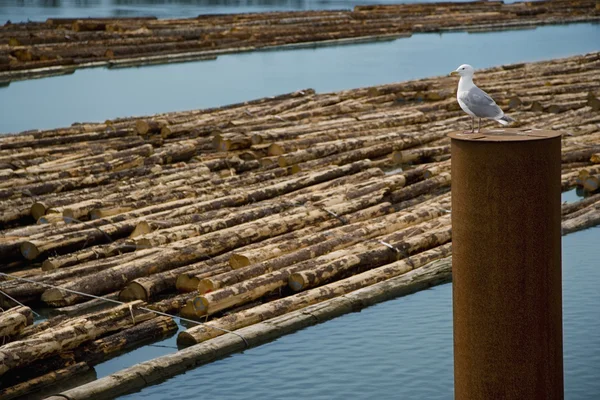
399, 349
99, 94
39, 10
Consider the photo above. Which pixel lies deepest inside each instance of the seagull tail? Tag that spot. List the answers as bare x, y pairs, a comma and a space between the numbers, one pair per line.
505, 120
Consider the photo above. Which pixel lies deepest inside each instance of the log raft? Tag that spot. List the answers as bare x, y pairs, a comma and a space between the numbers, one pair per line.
33, 49
271, 210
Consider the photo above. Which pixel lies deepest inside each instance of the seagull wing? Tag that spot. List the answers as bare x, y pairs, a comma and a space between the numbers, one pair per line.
480, 103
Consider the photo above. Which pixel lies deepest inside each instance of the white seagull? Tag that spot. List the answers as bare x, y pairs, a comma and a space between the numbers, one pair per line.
475, 101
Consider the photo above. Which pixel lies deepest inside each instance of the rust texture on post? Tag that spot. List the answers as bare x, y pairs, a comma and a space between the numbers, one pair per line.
507, 299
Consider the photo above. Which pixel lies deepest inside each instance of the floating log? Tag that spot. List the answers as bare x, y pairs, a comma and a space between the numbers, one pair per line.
191, 250
14, 320
275, 308
591, 183
69, 372
319, 244
108, 347
53, 340
253, 288
586, 220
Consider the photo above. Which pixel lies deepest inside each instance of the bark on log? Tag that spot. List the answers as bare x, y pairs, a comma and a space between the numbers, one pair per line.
589, 219
418, 155
194, 249
110, 346
14, 320
254, 288
52, 341
213, 328
416, 189
52, 378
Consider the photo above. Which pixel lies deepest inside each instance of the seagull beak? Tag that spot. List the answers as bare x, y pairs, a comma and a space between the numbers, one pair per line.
453, 73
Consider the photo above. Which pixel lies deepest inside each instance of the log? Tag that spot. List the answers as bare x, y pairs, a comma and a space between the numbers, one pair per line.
240, 259
254, 288
213, 328
567, 209
110, 346
416, 189
419, 155
580, 155
587, 220
591, 183
148, 288
319, 245
69, 373
194, 249
14, 320
52, 341
123, 224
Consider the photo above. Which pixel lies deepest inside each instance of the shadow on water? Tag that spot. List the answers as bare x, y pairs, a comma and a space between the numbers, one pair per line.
99, 94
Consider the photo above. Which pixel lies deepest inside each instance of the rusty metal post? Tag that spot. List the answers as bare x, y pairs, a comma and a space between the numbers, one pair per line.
506, 263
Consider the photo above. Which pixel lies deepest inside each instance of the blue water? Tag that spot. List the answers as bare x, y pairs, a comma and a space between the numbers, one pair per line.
99, 94
39, 10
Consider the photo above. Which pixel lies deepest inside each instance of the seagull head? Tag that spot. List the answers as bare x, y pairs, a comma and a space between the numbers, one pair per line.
464, 70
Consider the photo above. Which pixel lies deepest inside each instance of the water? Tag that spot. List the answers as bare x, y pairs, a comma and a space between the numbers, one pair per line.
39, 10
99, 94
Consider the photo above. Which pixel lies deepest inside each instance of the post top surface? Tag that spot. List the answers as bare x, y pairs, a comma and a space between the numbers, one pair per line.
505, 135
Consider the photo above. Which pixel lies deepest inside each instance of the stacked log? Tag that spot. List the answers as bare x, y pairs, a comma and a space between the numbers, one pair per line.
33, 49
13, 321
252, 211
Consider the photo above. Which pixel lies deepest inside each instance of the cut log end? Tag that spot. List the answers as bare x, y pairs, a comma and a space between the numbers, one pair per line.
206, 285
186, 283
238, 261
188, 311
185, 339
141, 229
133, 291
275, 149
200, 304
55, 297
49, 265
38, 210
296, 282
29, 250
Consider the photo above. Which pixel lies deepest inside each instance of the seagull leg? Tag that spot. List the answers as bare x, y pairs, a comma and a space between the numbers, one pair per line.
472, 124
479, 127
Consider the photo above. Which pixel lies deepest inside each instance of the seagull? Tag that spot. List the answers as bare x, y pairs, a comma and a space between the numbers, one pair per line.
475, 101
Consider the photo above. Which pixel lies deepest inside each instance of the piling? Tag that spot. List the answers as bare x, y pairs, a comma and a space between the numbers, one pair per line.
506, 238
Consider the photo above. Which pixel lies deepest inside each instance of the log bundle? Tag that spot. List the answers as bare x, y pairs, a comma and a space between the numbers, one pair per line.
246, 214
60, 45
